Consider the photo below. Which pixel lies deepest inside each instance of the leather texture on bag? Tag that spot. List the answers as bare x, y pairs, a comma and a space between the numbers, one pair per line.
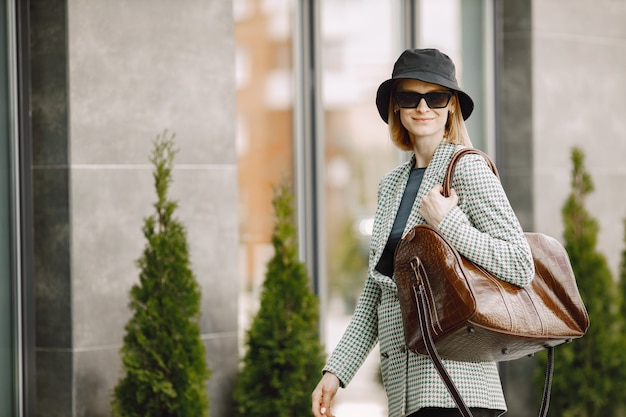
476, 316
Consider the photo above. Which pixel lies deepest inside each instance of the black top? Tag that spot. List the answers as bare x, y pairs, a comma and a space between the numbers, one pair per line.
385, 264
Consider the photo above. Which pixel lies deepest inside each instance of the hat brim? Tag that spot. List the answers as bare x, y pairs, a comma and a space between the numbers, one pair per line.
383, 95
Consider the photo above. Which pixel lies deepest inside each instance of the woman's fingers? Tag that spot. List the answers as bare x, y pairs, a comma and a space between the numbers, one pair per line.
434, 206
323, 395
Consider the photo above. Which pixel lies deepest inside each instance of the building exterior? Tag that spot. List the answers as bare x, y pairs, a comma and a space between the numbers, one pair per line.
255, 90
100, 81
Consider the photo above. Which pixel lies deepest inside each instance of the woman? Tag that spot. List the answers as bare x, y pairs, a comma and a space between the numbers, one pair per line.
425, 110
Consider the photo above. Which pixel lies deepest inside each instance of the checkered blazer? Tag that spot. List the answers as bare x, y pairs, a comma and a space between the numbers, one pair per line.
483, 228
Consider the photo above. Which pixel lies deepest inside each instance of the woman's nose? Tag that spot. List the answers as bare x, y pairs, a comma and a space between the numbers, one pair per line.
422, 106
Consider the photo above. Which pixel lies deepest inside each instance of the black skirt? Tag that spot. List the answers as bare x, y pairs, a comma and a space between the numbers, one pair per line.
453, 412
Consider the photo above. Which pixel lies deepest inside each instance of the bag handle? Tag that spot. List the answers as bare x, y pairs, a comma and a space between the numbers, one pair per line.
447, 180
419, 293
425, 323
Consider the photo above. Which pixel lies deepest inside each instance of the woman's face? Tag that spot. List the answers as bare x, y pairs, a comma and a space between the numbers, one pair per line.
424, 122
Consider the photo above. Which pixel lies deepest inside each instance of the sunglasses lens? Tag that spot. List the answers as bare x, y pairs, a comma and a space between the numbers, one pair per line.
407, 100
434, 100
437, 100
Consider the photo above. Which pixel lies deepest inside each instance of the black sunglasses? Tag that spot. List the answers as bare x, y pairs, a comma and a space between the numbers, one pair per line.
411, 99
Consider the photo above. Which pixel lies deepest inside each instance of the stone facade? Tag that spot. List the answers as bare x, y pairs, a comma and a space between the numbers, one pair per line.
578, 61
561, 82
107, 78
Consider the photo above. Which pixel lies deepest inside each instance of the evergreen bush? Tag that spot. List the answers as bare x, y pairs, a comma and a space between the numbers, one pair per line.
283, 357
622, 280
163, 355
621, 379
585, 370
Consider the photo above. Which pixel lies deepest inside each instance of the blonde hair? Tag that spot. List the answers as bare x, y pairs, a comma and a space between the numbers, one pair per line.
455, 131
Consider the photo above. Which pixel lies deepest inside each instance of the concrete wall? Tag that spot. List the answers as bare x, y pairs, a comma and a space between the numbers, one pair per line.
561, 83
579, 81
107, 78
514, 104
515, 158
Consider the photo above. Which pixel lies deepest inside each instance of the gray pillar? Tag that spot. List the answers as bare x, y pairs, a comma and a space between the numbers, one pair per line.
514, 148
51, 211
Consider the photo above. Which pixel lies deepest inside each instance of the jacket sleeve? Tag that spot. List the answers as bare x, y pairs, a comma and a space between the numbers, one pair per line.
483, 226
361, 335
359, 338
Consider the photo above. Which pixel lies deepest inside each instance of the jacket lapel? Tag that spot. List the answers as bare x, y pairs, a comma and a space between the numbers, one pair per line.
434, 174
392, 196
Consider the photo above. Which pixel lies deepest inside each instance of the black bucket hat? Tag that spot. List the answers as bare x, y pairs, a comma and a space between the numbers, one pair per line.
428, 65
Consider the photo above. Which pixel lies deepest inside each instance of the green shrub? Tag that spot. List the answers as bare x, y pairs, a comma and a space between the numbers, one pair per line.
584, 375
284, 357
622, 280
163, 355
621, 379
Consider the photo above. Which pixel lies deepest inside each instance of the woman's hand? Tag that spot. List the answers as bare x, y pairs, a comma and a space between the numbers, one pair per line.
323, 395
435, 206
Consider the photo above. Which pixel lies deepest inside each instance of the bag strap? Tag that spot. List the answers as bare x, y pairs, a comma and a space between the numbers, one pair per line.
425, 319
447, 180
547, 385
425, 324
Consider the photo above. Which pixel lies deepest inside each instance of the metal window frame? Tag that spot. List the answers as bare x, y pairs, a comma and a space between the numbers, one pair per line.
18, 42
14, 212
410, 13
308, 126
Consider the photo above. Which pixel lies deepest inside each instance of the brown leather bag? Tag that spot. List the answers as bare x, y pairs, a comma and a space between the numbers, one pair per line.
466, 314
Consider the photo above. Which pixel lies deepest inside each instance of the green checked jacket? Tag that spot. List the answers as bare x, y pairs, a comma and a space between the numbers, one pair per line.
483, 228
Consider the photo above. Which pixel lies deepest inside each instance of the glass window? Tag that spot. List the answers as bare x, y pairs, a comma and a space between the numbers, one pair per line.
463, 30
358, 41
263, 49
357, 55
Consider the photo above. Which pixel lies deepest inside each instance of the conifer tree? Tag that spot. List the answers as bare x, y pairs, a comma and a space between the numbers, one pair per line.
621, 379
165, 372
622, 280
584, 374
283, 356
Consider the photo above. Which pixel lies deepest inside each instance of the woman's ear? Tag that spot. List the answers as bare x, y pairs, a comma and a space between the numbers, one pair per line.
454, 101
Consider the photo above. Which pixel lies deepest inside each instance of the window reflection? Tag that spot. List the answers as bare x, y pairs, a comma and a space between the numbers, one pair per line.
358, 51
360, 41
263, 42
